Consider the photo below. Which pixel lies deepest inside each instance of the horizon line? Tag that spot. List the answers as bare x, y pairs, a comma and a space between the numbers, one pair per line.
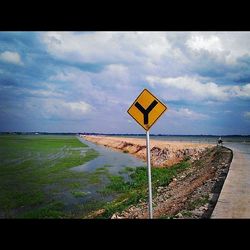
133, 134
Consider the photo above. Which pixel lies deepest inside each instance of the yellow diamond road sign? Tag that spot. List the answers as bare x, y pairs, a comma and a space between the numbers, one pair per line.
146, 109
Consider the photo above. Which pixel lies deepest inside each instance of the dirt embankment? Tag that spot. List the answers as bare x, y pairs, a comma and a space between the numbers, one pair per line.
162, 153
193, 193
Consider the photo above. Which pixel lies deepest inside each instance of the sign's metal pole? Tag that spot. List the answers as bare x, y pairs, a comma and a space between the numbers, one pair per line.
149, 178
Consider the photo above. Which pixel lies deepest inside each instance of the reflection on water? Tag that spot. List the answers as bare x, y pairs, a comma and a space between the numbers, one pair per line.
110, 160
114, 160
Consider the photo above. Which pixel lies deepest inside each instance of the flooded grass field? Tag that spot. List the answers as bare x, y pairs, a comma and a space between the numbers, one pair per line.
35, 176
53, 176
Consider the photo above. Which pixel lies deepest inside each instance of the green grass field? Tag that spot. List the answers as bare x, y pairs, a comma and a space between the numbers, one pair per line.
34, 174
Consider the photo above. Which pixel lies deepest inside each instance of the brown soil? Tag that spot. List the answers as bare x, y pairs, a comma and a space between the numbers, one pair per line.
193, 193
163, 154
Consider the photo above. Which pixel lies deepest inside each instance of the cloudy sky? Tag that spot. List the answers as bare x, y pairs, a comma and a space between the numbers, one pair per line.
86, 81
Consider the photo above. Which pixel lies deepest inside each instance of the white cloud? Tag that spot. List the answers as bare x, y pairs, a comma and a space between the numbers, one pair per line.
240, 91
187, 88
110, 72
211, 43
111, 86
46, 90
236, 43
11, 57
152, 49
81, 107
155, 53
247, 114
108, 47
56, 108
117, 74
187, 114
224, 46
42, 93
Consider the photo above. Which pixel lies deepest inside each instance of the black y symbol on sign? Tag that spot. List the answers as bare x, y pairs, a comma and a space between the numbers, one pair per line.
145, 112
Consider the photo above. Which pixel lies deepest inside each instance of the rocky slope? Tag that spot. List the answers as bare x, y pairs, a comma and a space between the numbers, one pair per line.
162, 153
193, 194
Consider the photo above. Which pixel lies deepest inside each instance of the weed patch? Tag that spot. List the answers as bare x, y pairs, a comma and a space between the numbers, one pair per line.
134, 190
78, 194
